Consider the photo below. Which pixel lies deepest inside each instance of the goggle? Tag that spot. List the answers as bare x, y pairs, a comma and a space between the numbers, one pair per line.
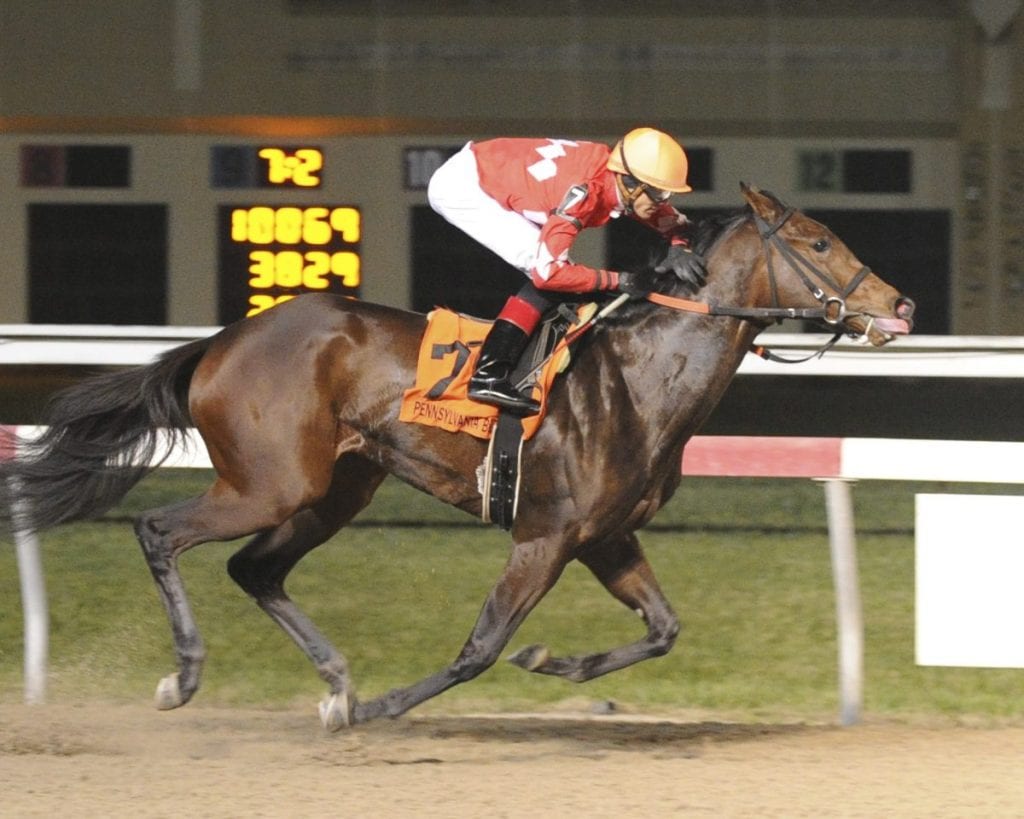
656, 194
636, 187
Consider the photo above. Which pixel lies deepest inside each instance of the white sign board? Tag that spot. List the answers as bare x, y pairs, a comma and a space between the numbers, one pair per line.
970, 580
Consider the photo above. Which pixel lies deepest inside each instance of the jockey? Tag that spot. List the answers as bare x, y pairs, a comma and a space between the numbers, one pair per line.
528, 199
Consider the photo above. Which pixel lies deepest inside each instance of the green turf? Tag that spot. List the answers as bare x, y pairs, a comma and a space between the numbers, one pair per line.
745, 563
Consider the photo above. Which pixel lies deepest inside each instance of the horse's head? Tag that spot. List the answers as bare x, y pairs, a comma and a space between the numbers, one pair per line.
804, 264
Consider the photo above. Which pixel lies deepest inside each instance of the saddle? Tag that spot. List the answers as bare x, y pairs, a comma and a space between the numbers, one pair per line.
447, 357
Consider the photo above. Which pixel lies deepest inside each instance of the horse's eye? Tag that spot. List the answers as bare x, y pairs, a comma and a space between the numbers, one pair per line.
821, 245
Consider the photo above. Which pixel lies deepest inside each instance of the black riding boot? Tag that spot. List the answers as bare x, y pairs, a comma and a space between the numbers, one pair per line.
490, 382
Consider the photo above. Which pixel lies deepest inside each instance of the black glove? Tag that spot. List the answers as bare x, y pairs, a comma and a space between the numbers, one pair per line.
637, 284
687, 265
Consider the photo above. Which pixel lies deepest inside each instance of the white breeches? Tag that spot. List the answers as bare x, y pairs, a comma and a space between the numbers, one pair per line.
454, 192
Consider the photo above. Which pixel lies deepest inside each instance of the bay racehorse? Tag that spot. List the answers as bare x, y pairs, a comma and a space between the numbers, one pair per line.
298, 407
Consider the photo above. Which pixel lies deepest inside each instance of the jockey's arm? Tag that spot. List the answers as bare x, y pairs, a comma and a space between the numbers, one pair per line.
554, 270
679, 257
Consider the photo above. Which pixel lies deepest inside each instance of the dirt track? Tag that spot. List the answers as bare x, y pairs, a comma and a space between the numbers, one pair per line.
114, 761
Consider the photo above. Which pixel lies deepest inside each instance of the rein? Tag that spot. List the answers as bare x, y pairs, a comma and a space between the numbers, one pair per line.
832, 310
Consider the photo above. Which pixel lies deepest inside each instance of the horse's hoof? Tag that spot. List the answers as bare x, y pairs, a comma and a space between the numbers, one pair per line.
531, 658
168, 693
334, 712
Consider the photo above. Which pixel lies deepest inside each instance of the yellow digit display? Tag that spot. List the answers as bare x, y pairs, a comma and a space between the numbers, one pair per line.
271, 253
289, 268
300, 167
268, 166
294, 225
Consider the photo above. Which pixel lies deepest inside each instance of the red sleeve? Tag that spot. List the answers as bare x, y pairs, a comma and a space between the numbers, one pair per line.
553, 270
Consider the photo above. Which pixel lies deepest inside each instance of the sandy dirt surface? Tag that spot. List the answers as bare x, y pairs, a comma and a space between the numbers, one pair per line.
99, 760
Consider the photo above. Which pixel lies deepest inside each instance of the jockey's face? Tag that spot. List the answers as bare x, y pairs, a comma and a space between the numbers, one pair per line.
639, 197
645, 204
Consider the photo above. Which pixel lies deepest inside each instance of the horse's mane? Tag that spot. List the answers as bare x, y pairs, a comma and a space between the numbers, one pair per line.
711, 228
705, 233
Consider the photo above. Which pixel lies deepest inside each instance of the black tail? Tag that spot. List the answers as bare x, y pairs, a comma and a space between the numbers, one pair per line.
102, 437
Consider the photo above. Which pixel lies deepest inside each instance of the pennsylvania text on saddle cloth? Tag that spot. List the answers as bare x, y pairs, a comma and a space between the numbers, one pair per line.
447, 358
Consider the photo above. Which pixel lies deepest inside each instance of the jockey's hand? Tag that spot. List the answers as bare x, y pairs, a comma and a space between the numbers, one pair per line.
637, 284
687, 265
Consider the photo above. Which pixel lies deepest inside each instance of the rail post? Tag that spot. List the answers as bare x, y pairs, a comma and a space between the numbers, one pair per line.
849, 615
33, 600
30, 574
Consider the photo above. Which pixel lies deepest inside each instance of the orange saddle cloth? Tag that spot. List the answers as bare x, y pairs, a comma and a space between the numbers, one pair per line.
448, 356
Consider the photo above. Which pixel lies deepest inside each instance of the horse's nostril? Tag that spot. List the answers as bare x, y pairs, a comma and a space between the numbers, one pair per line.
905, 307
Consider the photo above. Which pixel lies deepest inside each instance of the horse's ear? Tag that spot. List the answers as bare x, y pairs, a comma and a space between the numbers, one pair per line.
764, 204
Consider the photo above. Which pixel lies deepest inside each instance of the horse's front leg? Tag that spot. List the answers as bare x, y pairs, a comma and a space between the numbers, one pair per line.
622, 568
531, 571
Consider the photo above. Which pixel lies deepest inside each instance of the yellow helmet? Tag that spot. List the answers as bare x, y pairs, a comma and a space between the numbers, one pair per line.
652, 157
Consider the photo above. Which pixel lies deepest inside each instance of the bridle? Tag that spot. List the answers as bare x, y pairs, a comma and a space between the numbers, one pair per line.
833, 307
832, 310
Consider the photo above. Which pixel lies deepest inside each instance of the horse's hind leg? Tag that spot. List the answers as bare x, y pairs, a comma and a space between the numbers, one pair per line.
261, 566
167, 533
622, 568
162, 558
